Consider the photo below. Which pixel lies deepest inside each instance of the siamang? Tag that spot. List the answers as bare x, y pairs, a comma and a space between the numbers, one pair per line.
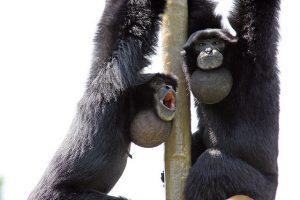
93, 156
235, 148
211, 82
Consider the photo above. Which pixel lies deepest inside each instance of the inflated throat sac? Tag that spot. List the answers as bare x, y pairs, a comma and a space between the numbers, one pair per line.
211, 86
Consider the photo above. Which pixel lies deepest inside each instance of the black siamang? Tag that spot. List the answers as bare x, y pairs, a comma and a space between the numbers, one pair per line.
235, 148
94, 154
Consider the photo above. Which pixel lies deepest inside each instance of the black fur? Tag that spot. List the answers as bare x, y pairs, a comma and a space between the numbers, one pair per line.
94, 154
235, 149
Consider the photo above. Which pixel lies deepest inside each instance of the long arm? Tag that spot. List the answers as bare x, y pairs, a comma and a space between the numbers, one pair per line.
126, 36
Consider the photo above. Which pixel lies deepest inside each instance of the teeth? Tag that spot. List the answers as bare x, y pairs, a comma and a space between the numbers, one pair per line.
173, 105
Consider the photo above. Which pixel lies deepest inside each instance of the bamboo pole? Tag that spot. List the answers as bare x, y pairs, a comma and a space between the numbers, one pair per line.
178, 145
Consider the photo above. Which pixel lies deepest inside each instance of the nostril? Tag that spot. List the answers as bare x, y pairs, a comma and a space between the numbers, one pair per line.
208, 50
168, 87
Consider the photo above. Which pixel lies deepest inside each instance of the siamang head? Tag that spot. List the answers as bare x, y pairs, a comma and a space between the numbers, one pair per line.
164, 97
157, 94
206, 49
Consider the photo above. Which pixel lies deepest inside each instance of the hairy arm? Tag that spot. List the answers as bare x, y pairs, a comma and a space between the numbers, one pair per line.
123, 43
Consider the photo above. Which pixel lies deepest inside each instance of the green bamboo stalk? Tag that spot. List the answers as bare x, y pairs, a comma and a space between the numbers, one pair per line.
178, 146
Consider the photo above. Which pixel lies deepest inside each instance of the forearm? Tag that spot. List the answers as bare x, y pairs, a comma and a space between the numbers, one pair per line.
124, 43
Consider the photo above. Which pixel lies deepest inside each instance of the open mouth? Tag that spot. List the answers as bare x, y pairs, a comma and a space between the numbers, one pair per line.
166, 103
169, 100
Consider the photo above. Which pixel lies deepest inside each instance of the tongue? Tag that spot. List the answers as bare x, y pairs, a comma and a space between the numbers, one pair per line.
169, 100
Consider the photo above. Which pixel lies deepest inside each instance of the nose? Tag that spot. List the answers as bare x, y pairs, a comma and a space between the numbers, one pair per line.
208, 50
168, 87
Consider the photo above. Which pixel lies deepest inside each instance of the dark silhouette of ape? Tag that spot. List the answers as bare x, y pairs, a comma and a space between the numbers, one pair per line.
235, 149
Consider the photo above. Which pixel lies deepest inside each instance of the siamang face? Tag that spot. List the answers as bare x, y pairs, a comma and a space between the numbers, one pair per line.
165, 100
205, 49
210, 53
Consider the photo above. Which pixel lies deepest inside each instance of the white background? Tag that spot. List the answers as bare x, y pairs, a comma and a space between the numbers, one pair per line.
45, 54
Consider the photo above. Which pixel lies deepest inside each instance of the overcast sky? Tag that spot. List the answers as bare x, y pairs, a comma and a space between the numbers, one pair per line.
45, 53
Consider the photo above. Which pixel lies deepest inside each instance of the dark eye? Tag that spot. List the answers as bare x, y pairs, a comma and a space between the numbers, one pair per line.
201, 44
216, 43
